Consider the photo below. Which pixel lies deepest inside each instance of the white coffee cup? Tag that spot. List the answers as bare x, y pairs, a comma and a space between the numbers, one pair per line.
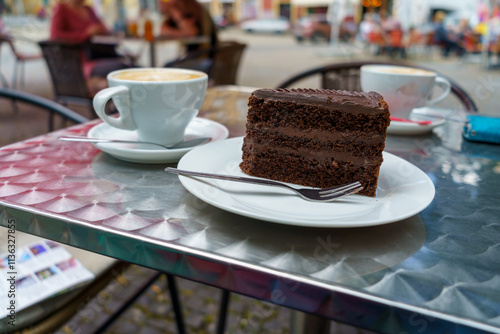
403, 88
158, 103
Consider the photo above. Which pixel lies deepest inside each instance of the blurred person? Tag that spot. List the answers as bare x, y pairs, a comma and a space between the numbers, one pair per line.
75, 22
348, 29
368, 27
469, 40
371, 33
187, 18
388, 22
3, 28
414, 37
393, 34
444, 37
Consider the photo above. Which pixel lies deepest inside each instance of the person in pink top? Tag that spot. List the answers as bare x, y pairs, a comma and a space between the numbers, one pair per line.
75, 22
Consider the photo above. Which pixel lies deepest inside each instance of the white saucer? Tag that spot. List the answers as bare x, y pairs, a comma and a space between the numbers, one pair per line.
199, 127
403, 191
411, 129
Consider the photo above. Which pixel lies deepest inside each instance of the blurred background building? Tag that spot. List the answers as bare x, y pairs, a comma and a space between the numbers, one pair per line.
286, 16
238, 10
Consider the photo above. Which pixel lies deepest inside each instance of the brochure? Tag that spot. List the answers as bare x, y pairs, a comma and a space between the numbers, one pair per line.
36, 272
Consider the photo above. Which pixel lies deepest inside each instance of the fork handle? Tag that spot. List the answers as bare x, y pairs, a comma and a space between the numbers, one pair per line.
227, 177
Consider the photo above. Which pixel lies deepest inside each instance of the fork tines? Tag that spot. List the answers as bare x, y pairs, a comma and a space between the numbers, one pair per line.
344, 190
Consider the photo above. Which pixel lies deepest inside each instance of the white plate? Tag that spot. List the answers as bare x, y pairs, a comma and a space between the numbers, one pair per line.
412, 129
403, 191
199, 127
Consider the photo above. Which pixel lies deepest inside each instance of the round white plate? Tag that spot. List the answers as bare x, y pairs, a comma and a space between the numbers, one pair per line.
412, 129
199, 127
403, 191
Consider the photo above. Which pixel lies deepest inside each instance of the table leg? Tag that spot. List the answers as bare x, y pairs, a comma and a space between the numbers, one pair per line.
128, 303
224, 305
303, 323
152, 53
176, 304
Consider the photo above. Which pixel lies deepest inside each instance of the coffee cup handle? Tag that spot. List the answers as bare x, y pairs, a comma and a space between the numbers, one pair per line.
446, 86
122, 101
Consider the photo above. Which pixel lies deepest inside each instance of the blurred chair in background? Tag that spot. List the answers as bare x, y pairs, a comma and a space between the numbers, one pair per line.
20, 58
5, 84
221, 63
45, 105
67, 67
64, 61
346, 76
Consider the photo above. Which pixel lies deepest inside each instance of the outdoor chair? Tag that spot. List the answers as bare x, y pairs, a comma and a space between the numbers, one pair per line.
20, 60
221, 63
64, 61
345, 76
5, 84
46, 105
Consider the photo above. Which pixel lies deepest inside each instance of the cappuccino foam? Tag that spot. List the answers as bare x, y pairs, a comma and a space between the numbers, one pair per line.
403, 70
156, 75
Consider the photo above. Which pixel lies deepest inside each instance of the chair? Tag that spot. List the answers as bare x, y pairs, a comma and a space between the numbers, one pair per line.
221, 63
47, 105
345, 76
21, 59
5, 84
64, 61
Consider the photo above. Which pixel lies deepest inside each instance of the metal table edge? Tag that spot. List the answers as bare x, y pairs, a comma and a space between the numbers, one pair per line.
337, 293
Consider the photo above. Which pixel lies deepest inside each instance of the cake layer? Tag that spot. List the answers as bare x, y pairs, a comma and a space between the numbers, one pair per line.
297, 170
355, 136
349, 149
298, 116
366, 145
322, 157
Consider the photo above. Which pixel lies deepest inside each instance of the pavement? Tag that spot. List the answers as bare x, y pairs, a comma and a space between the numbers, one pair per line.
267, 61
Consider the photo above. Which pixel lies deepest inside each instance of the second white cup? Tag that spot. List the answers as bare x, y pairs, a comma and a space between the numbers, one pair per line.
159, 103
403, 88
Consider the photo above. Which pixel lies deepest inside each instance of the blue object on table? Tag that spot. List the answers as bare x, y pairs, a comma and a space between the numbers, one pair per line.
482, 129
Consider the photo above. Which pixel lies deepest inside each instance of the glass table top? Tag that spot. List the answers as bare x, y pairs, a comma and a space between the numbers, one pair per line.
438, 270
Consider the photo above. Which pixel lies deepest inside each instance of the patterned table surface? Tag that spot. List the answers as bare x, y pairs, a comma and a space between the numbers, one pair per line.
438, 271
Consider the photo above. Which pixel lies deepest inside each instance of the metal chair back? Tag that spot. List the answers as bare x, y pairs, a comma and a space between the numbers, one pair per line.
65, 64
346, 76
53, 108
221, 63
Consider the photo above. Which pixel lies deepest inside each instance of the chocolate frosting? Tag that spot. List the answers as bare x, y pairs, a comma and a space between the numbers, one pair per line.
327, 98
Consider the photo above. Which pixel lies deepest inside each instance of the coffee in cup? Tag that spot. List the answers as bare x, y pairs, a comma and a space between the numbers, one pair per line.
403, 88
158, 103
155, 75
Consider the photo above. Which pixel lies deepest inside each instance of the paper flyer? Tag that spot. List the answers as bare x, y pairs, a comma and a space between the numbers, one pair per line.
42, 269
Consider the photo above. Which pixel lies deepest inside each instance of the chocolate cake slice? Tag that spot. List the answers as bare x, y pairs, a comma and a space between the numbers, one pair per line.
316, 137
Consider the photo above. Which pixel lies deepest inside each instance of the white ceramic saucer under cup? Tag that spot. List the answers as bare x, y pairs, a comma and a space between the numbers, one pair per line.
143, 153
412, 129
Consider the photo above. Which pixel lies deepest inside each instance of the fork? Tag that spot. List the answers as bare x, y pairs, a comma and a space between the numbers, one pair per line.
321, 195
